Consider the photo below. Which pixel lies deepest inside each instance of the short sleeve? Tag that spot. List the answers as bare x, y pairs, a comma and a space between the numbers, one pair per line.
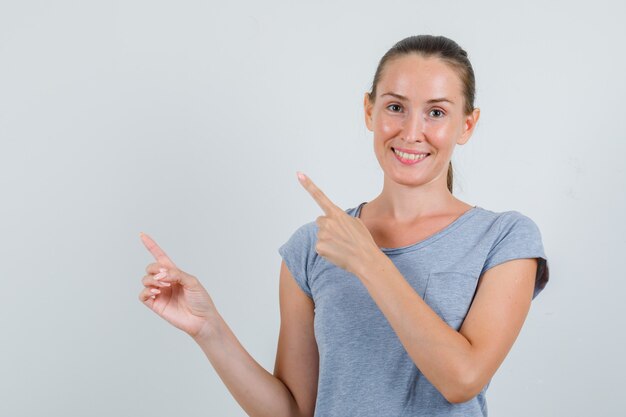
519, 237
297, 253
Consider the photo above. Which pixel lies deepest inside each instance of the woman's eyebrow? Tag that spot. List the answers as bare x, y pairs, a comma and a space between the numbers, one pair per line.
432, 100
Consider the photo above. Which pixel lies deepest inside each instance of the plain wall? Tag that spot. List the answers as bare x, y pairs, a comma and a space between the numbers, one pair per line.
188, 120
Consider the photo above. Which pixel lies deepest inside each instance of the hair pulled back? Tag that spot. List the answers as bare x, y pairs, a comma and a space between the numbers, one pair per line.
434, 46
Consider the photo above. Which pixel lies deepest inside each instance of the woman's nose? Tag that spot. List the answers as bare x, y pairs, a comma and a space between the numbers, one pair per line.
414, 128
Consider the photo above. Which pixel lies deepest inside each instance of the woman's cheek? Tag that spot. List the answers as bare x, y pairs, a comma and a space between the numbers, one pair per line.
387, 127
441, 133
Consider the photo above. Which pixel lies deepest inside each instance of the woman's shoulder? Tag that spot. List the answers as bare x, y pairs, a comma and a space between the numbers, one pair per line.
515, 235
511, 228
506, 217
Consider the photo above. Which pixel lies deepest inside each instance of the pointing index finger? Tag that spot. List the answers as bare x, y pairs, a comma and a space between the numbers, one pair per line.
324, 202
156, 251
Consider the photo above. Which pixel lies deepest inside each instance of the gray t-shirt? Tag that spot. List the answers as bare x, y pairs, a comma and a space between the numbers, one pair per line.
364, 370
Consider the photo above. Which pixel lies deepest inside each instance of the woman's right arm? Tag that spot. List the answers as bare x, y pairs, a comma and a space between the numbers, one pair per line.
180, 299
257, 391
292, 390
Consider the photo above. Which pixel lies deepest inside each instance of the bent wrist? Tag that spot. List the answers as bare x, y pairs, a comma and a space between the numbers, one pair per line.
211, 328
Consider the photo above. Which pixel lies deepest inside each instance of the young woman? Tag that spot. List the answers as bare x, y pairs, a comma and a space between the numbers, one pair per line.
403, 306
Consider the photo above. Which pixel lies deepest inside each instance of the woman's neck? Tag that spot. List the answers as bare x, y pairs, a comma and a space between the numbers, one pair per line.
400, 203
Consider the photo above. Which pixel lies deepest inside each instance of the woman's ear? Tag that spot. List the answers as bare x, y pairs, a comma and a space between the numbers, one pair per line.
367, 107
468, 126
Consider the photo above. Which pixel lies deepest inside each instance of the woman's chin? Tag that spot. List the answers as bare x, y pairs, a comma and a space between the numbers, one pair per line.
408, 180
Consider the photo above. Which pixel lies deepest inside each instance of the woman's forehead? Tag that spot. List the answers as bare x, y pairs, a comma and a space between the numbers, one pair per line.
416, 77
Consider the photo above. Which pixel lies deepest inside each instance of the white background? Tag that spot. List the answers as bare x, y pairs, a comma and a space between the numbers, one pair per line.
188, 120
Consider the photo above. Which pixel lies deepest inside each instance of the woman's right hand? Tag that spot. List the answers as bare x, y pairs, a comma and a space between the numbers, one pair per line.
175, 295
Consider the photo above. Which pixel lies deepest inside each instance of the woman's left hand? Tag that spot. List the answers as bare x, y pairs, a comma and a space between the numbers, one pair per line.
342, 239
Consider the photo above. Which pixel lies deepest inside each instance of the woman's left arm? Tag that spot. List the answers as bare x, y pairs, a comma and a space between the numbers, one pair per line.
459, 364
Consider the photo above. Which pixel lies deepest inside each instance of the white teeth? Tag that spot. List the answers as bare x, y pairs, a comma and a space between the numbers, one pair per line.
410, 155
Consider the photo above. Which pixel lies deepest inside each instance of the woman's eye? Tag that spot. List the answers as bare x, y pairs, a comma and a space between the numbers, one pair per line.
439, 113
393, 107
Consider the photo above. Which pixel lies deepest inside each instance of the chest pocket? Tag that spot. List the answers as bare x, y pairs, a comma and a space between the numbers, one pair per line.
450, 295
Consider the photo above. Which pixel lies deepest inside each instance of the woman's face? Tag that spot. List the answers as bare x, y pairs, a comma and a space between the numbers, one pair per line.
418, 110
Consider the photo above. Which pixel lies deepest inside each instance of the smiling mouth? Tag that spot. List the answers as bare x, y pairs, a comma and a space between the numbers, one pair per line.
409, 157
